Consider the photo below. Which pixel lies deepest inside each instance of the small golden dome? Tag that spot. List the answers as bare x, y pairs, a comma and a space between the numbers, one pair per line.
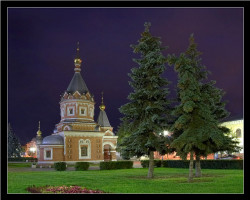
39, 132
102, 106
77, 60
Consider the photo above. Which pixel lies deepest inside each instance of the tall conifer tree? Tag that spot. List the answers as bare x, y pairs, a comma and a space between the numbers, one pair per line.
146, 114
197, 130
195, 122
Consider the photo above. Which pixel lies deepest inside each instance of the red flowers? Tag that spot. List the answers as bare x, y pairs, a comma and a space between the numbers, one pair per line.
61, 189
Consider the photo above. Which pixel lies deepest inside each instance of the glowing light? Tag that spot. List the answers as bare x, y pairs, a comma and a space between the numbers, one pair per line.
33, 149
165, 133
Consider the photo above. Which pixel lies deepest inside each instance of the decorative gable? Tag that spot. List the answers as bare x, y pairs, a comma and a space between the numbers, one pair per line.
109, 133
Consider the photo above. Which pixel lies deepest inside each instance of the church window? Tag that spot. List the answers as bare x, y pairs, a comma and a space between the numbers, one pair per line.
71, 110
84, 151
238, 133
48, 154
82, 111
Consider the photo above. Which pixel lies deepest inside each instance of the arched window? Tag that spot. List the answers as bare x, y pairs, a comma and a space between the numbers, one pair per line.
238, 133
82, 111
84, 149
70, 110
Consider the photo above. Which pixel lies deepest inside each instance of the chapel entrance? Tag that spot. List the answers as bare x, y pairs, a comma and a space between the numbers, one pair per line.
107, 153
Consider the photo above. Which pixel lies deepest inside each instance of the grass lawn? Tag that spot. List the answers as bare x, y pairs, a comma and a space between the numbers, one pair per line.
167, 180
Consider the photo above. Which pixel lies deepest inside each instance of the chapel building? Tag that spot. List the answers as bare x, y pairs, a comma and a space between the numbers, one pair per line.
78, 137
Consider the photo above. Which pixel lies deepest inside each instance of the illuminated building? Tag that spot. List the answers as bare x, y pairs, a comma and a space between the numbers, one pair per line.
78, 137
235, 124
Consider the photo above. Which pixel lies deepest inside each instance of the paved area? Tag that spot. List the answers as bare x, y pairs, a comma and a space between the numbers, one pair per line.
137, 164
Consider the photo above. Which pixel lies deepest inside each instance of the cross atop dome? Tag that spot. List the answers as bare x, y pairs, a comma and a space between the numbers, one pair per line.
77, 83
39, 132
102, 106
77, 60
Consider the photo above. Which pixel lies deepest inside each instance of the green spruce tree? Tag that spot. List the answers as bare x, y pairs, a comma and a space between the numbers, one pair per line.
212, 96
146, 114
197, 128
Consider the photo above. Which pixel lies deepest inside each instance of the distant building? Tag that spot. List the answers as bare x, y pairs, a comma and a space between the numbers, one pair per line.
78, 137
235, 124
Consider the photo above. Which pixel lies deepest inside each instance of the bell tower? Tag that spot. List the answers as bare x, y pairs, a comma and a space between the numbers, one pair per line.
77, 104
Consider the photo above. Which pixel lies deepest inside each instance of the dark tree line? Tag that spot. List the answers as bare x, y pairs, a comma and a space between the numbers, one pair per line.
14, 146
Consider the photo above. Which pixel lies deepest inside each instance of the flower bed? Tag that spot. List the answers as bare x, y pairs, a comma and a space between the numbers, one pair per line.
61, 189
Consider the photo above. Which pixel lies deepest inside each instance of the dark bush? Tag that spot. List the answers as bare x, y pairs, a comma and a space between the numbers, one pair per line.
22, 159
205, 164
157, 163
60, 166
80, 166
175, 163
145, 163
116, 165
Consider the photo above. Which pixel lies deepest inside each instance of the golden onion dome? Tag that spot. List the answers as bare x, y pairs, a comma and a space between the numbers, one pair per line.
39, 132
102, 106
77, 60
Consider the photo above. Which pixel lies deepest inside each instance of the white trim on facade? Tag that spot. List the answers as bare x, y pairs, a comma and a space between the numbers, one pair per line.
67, 128
62, 112
64, 146
84, 142
51, 153
110, 137
109, 143
91, 111
108, 131
81, 134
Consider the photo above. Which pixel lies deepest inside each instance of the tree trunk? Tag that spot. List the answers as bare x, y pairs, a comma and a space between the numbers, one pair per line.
191, 166
198, 166
151, 165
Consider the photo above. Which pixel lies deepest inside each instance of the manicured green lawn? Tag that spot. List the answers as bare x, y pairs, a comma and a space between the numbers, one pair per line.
167, 180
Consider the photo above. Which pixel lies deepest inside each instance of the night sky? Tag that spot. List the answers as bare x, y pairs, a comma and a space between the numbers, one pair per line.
42, 46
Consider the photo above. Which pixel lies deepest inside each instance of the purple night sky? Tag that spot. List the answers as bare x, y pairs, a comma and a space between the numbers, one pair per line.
42, 46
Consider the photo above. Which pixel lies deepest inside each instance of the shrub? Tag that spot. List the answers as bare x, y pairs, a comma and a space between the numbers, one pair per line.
175, 163
157, 163
60, 166
116, 165
145, 163
205, 164
80, 166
